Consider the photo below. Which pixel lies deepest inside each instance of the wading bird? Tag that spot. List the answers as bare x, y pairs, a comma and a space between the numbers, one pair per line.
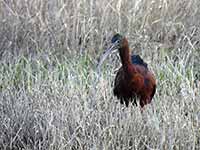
133, 79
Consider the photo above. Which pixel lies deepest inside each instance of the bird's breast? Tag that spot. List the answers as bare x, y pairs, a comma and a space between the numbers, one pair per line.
137, 82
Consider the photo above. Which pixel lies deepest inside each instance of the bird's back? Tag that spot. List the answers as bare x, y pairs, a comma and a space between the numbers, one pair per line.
136, 59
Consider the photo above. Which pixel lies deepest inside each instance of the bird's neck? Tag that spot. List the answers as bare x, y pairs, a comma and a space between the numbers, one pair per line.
126, 59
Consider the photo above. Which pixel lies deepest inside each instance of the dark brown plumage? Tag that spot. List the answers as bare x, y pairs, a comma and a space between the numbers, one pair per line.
133, 79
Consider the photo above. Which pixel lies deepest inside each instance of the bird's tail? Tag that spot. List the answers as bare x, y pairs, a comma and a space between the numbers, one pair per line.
154, 91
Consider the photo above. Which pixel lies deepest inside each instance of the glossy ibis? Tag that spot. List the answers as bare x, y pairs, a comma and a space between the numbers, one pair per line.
133, 79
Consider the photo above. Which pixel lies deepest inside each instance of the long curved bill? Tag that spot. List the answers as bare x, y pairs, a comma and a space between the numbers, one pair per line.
109, 51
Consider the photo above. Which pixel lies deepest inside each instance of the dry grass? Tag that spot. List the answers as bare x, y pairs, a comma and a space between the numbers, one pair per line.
52, 97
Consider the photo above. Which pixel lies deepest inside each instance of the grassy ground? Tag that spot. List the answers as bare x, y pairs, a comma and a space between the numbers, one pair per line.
53, 97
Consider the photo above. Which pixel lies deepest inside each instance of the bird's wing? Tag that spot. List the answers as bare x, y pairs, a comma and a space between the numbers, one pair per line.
118, 80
